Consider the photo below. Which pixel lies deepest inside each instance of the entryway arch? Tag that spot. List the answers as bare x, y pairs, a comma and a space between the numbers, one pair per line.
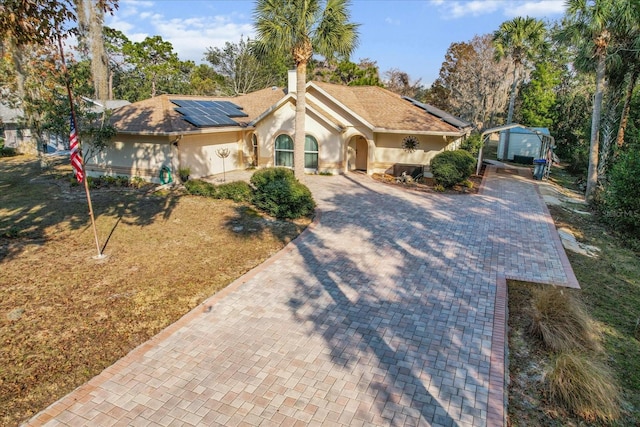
358, 154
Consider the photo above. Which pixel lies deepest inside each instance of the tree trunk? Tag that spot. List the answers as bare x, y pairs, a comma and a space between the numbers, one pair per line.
592, 173
624, 118
512, 103
299, 135
153, 86
99, 61
18, 63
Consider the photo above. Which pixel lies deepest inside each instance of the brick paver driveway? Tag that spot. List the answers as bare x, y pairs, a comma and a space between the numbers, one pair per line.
389, 310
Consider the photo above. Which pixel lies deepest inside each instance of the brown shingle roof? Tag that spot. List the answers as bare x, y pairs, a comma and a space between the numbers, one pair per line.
158, 116
384, 109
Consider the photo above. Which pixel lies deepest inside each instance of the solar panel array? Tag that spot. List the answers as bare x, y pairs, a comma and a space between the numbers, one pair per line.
443, 115
208, 113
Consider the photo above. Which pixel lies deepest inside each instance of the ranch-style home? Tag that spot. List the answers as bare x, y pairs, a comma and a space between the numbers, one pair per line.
347, 128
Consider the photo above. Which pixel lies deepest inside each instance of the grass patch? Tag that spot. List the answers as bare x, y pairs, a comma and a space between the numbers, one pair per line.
64, 317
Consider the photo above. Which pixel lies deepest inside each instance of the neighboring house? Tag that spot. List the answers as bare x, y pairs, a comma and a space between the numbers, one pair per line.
14, 136
525, 144
18, 137
348, 128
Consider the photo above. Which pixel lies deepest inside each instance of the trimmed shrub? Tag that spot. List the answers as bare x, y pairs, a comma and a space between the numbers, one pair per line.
452, 167
622, 194
446, 175
263, 177
561, 321
280, 194
585, 387
198, 187
238, 191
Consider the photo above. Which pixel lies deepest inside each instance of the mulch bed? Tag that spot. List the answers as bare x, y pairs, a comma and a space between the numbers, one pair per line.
428, 185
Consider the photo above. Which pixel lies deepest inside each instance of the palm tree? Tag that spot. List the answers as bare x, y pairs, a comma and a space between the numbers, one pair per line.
589, 25
302, 28
630, 65
519, 39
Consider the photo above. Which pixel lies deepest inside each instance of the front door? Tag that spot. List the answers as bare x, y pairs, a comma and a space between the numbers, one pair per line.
362, 154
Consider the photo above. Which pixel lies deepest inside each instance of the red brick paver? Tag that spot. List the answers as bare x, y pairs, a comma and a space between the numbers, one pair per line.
389, 310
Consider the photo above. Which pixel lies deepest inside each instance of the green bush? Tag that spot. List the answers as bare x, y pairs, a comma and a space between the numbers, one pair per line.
280, 194
8, 152
263, 177
578, 161
198, 187
446, 175
622, 194
452, 167
472, 144
238, 191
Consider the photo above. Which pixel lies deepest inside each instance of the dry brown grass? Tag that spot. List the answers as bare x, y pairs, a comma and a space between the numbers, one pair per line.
64, 316
561, 321
584, 386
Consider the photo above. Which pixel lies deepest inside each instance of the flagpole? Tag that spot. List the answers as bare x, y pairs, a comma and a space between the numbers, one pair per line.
75, 124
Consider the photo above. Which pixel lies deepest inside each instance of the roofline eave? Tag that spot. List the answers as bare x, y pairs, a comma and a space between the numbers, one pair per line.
188, 132
422, 132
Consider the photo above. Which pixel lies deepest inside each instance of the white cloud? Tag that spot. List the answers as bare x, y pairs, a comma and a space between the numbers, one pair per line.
190, 37
458, 9
392, 21
131, 7
538, 9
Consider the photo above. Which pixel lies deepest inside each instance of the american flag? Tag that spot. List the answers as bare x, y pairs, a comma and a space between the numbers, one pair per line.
76, 159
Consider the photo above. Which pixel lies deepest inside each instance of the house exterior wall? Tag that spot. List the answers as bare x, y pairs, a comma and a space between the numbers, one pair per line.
19, 139
389, 150
200, 153
134, 155
281, 121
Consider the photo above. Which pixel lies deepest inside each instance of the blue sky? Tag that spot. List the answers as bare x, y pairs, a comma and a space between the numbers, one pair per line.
410, 35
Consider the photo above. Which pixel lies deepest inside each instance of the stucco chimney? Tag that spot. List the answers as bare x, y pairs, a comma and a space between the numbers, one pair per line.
291, 82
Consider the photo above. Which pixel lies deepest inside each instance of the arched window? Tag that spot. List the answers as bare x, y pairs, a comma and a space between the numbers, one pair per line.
310, 153
284, 151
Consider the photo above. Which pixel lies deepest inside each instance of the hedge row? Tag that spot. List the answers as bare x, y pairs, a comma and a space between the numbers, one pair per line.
275, 191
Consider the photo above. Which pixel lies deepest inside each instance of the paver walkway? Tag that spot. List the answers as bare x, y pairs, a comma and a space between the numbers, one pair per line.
389, 310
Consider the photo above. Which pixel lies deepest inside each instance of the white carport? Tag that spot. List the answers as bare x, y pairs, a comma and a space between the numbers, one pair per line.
546, 146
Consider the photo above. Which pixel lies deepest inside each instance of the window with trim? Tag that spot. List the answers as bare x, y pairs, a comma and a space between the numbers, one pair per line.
284, 151
310, 152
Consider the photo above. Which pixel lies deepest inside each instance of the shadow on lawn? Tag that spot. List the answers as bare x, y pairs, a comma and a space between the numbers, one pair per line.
39, 204
411, 304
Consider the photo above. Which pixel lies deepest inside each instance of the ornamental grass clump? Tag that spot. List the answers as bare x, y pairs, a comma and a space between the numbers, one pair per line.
585, 387
561, 322
280, 194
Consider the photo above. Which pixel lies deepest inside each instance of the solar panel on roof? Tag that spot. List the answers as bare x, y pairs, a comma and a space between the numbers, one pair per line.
443, 115
204, 113
210, 121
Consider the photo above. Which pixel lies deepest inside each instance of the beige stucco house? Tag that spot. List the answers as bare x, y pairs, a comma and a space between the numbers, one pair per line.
348, 128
